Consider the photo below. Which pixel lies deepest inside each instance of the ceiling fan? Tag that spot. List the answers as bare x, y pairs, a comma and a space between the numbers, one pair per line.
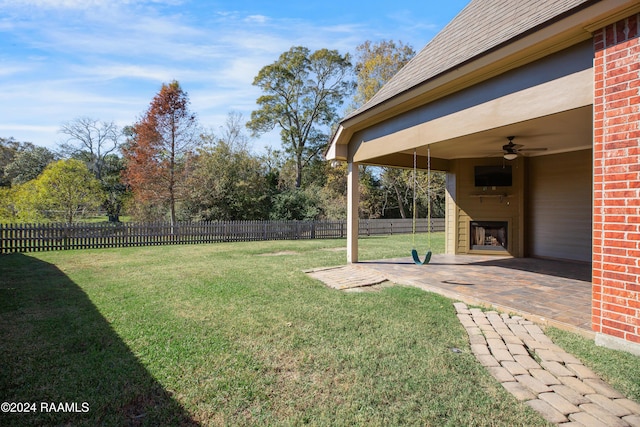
512, 150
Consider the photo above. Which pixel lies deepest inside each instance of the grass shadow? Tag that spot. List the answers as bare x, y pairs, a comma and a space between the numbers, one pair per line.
49, 325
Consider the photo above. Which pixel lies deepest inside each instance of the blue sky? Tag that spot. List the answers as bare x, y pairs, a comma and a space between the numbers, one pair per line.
106, 59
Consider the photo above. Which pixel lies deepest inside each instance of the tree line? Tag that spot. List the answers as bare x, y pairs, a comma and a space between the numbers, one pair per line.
165, 166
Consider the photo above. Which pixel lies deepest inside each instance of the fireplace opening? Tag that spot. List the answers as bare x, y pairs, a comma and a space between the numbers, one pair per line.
489, 236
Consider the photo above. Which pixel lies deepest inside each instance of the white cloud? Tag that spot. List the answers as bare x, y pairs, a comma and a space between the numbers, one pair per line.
58, 4
240, 72
8, 70
28, 128
108, 58
256, 19
80, 4
101, 72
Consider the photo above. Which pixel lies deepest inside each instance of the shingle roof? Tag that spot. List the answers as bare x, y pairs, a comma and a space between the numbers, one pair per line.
481, 26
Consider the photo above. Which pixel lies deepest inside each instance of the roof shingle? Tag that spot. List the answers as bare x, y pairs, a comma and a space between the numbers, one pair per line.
481, 26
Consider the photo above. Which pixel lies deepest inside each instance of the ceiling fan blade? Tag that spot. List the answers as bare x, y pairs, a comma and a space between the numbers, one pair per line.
533, 149
511, 147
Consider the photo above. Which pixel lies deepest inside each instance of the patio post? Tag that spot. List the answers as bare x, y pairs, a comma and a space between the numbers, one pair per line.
353, 201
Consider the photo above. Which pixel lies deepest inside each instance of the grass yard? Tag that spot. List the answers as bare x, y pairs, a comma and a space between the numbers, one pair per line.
234, 334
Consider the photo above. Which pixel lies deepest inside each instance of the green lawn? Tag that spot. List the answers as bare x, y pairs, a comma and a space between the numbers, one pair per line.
234, 334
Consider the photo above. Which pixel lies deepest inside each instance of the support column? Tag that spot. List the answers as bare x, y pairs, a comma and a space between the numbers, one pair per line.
451, 215
353, 201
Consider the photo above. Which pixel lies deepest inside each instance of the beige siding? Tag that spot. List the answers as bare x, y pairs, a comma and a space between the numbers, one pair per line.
463, 233
559, 206
488, 204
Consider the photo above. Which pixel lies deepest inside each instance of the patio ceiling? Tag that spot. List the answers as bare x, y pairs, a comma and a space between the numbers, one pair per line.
558, 133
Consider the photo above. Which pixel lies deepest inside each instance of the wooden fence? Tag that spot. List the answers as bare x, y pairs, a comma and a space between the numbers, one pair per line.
51, 237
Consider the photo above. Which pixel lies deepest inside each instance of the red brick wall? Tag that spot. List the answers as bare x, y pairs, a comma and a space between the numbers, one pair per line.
616, 204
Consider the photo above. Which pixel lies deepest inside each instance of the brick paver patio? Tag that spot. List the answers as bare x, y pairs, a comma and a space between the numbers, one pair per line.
548, 292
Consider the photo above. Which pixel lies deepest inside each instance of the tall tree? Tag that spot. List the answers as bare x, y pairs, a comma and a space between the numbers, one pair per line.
159, 145
97, 144
92, 141
302, 91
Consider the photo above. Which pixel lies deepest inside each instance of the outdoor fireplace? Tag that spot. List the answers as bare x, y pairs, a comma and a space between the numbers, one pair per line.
489, 236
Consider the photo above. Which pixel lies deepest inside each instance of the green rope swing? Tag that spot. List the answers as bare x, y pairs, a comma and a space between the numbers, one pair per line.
414, 251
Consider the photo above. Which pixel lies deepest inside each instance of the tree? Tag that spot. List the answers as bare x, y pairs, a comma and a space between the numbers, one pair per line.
302, 91
7, 204
371, 193
8, 149
157, 150
116, 192
96, 143
397, 186
226, 182
28, 163
375, 64
92, 141
22, 204
295, 204
333, 194
66, 189
232, 132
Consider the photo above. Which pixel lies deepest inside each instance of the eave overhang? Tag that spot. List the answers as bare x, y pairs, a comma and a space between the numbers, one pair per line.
524, 49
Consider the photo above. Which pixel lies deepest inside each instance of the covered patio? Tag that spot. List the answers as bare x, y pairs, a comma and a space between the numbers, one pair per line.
530, 110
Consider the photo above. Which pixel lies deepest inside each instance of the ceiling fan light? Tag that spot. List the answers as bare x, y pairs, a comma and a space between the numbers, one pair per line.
510, 156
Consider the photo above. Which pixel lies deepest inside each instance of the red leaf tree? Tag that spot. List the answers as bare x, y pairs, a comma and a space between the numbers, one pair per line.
159, 146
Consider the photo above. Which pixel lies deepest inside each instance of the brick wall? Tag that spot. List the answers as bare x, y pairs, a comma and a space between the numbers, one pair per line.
616, 204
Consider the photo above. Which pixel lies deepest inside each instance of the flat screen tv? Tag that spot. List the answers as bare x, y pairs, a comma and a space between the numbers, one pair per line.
493, 176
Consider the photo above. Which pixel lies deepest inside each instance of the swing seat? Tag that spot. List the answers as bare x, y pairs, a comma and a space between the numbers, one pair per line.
417, 260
